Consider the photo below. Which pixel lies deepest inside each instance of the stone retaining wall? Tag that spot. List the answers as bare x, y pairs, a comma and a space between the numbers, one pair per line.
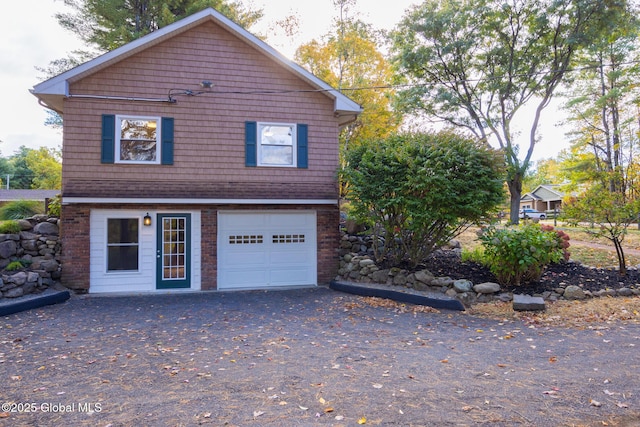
357, 265
37, 247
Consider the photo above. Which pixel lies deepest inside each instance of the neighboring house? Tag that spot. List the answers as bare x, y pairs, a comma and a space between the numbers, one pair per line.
37, 195
197, 157
546, 197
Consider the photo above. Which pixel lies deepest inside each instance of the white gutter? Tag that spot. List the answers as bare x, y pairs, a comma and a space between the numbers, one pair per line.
163, 201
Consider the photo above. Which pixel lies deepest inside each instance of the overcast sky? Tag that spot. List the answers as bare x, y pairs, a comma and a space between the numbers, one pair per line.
32, 38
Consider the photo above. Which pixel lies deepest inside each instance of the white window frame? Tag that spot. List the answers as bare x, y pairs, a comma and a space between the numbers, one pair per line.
294, 140
119, 119
107, 245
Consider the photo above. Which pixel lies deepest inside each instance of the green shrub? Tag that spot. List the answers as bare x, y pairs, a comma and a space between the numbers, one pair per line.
476, 255
517, 256
20, 209
10, 227
55, 206
14, 265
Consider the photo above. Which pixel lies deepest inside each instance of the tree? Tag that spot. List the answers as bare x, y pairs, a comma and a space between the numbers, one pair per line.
603, 107
418, 191
108, 24
475, 64
45, 164
348, 59
610, 212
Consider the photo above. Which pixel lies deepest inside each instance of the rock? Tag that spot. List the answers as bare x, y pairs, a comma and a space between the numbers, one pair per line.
487, 288
424, 276
24, 224
505, 297
13, 293
462, 285
366, 262
8, 248
46, 228
528, 303
400, 279
451, 293
380, 276
573, 292
442, 281
19, 278
625, 292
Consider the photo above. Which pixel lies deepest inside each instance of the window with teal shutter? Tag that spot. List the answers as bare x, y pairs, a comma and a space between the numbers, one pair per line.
276, 144
166, 151
303, 146
250, 144
137, 140
107, 154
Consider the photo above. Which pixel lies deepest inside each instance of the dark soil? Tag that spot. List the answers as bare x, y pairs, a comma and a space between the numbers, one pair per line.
448, 263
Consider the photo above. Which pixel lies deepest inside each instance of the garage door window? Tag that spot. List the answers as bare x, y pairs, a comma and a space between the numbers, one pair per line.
288, 238
245, 239
122, 244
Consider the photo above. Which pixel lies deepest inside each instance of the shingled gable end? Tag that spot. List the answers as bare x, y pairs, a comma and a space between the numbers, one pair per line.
197, 157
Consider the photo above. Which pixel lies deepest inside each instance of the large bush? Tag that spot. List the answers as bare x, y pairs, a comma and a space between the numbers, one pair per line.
417, 191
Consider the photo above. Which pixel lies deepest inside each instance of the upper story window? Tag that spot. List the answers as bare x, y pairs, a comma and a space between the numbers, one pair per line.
137, 139
276, 144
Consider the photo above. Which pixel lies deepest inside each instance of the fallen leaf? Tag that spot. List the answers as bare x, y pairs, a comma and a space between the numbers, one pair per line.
339, 417
321, 400
553, 359
467, 408
362, 420
444, 361
304, 408
622, 405
595, 403
257, 413
328, 409
377, 385
608, 393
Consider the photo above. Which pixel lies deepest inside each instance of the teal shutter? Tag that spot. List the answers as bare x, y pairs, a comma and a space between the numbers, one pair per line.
108, 147
303, 146
166, 152
250, 144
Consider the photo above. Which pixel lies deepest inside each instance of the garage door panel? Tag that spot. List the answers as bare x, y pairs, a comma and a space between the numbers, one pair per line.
259, 250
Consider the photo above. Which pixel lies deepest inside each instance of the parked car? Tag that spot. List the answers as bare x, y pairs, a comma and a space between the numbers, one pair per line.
531, 213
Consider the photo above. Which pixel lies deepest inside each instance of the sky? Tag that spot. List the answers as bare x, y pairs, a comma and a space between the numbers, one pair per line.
35, 39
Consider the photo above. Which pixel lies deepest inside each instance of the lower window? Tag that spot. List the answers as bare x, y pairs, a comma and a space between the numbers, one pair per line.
122, 244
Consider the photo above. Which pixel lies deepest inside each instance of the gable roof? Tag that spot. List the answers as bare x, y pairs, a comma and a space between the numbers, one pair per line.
544, 192
52, 92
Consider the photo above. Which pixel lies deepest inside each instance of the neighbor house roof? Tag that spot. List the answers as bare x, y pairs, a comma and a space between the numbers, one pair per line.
11, 195
544, 192
52, 92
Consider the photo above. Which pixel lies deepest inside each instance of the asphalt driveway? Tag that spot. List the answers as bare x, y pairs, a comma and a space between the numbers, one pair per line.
305, 357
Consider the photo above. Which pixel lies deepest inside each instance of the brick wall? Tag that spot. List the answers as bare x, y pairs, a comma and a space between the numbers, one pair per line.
74, 231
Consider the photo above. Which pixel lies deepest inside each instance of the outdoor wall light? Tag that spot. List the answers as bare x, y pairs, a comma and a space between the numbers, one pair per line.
206, 84
147, 219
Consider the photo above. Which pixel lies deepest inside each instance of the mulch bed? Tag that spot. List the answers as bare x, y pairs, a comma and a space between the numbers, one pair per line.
448, 263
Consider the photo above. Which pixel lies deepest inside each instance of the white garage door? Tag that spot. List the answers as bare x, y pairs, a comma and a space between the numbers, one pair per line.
266, 249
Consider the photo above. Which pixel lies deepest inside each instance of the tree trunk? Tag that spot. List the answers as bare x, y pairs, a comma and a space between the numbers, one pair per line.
515, 191
622, 262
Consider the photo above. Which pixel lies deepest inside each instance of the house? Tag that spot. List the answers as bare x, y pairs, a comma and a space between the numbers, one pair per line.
37, 195
545, 197
197, 157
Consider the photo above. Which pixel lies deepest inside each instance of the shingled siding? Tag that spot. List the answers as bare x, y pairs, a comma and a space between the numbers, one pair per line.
209, 128
76, 231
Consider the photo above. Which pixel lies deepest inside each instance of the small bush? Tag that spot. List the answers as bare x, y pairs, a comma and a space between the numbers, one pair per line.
20, 209
55, 206
14, 265
476, 255
10, 227
518, 256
